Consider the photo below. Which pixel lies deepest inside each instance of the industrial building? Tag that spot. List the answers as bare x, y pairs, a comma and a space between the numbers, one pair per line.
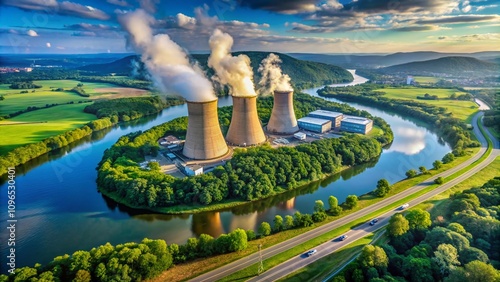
245, 128
356, 124
283, 119
315, 124
334, 117
204, 138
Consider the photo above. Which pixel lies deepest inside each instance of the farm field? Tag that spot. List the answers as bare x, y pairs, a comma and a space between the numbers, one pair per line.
460, 109
425, 79
37, 125
14, 101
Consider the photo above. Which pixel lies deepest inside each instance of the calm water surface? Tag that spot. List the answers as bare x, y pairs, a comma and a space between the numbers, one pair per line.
59, 209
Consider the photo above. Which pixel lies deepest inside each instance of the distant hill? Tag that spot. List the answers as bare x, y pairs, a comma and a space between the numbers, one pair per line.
461, 66
377, 61
303, 73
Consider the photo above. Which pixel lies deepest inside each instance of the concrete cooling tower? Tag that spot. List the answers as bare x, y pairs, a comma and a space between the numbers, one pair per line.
283, 119
204, 138
245, 128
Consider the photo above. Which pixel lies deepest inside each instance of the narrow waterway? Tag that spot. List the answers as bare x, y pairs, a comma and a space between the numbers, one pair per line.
59, 209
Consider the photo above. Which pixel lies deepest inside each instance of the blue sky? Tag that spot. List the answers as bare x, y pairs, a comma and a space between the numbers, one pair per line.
309, 26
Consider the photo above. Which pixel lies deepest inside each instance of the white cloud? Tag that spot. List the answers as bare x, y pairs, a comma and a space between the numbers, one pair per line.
48, 45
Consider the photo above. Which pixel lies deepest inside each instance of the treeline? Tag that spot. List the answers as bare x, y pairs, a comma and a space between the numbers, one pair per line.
25, 153
453, 130
130, 261
492, 117
80, 91
126, 109
251, 174
34, 108
148, 259
461, 245
121, 81
24, 85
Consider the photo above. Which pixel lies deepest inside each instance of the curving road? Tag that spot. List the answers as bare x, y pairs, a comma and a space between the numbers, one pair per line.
356, 233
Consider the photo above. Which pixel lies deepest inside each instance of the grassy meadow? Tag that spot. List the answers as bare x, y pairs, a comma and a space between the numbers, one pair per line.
460, 109
15, 101
37, 125
425, 80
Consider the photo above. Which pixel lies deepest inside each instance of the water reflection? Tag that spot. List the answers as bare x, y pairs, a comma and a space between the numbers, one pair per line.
62, 210
411, 141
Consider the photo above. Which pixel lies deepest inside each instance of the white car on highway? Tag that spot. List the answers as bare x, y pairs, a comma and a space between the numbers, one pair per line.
403, 206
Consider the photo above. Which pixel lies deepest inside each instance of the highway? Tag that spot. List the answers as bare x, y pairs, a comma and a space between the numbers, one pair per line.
356, 233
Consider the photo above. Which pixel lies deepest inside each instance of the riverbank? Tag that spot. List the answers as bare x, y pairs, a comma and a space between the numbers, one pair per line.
23, 154
64, 194
254, 173
193, 269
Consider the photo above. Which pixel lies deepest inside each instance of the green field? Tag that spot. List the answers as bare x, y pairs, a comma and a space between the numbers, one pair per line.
460, 109
426, 79
14, 101
37, 125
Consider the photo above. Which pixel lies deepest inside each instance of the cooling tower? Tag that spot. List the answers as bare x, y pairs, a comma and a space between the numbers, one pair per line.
283, 119
245, 128
204, 138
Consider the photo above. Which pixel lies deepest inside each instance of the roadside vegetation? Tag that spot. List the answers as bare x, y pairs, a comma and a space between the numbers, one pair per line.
461, 244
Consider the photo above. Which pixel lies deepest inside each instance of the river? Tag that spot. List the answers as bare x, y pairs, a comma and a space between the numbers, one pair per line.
59, 209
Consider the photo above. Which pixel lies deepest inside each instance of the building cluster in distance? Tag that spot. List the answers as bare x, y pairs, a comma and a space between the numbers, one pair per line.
322, 121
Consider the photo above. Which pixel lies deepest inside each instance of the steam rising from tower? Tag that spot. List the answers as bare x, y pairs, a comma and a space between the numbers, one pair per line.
282, 119
165, 61
245, 128
234, 71
272, 77
171, 71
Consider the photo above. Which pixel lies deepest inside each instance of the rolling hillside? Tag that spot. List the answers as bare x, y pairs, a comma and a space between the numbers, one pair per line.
462, 66
381, 60
303, 73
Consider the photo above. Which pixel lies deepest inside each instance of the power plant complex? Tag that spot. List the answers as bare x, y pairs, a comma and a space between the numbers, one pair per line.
205, 146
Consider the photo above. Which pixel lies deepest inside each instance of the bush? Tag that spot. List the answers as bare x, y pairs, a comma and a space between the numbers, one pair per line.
439, 180
448, 158
265, 229
351, 201
411, 173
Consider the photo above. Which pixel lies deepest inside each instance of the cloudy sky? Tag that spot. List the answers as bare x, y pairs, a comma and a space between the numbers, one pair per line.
309, 26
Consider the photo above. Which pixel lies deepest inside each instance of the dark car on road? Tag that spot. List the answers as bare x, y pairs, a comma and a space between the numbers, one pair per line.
343, 237
375, 220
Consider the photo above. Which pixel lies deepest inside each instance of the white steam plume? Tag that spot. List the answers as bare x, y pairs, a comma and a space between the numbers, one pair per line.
271, 76
234, 71
165, 61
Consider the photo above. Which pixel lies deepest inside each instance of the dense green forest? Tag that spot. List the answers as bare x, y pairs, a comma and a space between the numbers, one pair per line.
130, 261
304, 74
453, 130
461, 245
109, 113
251, 174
